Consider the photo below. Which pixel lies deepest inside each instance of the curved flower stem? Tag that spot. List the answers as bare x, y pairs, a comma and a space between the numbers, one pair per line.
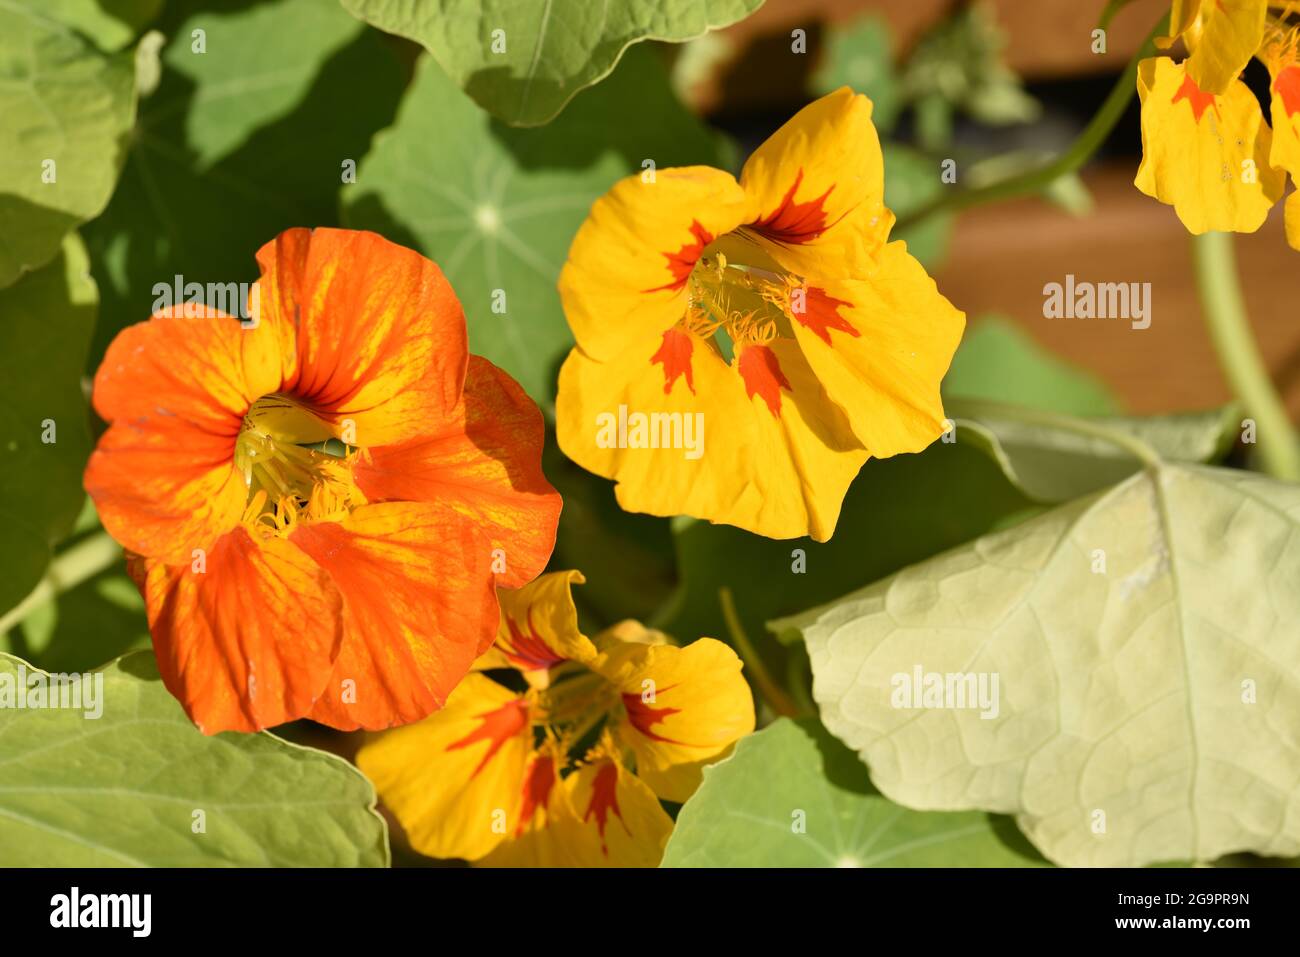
83, 560
1225, 316
1084, 145
775, 695
977, 409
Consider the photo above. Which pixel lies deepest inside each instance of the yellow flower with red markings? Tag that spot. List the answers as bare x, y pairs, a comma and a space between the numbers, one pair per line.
1281, 54
1221, 36
744, 346
569, 769
318, 501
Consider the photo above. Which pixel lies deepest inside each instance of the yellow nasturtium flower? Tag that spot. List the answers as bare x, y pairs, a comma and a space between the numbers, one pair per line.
571, 770
1221, 37
744, 346
1207, 155
1281, 54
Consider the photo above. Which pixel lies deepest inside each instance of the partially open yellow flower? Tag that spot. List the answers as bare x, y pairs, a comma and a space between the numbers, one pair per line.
570, 771
1205, 154
744, 347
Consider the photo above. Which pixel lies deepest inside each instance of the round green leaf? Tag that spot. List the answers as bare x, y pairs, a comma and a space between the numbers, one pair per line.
125, 789
522, 62
1147, 673
793, 796
67, 108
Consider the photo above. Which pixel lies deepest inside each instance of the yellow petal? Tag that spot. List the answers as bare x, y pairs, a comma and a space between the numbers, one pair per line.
629, 631
1285, 114
1292, 211
1205, 155
754, 443
538, 629
881, 346
683, 708
625, 277
1222, 37
544, 835
618, 821
816, 189
455, 781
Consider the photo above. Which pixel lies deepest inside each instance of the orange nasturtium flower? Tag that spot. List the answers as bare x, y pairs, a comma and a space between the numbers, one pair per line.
569, 770
1206, 148
285, 580
744, 347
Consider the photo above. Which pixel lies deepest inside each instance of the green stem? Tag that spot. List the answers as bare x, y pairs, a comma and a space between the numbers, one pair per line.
1033, 181
781, 702
83, 560
977, 409
1225, 315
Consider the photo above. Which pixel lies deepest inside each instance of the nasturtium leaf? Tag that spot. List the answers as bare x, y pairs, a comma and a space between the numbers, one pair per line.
997, 361
1052, 462
793, 796
522, 62
497, 207
898, 511
248, 138
67, 108
857, 55
1147, 675
46, 320
110, 24
126, 788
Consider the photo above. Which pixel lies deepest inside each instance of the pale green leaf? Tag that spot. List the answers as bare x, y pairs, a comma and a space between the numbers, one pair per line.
66, 110
497, 207
1053, 462
793, 796
1148, 676
523, 62
110, 24
122, 789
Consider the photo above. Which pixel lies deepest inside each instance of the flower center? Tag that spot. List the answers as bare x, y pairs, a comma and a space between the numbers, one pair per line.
293, 465
737, 292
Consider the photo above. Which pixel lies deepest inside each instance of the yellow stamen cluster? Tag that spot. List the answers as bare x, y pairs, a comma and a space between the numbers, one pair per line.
749, 304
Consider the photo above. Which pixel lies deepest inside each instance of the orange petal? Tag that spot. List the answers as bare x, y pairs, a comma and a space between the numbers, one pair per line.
381, 336
419, 603
174, 391
249, 641
483, 462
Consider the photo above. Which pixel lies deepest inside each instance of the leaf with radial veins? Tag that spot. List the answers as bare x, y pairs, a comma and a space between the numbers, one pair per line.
793, 796
522, 62
125, 789
1148, 673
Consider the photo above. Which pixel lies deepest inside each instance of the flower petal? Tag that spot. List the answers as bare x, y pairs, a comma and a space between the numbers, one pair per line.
539, 628
381, 336
625, 277
1222, 36
419, 604
1292, 214
618, 821
881, 347
756, 444
455, 780
484, 461
685, 707
174, 391
816, 189
1206, 155
249, 641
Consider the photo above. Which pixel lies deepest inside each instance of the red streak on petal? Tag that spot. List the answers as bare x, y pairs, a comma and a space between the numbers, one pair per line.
604, 798
1287, 86
821, 314
527, 650
675, 355
762, 374
683, 261
1199, 100
793, 222
643, 717
498, 727
537, 790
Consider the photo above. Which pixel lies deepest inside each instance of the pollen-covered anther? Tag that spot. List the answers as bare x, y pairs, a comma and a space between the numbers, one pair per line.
748, 303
